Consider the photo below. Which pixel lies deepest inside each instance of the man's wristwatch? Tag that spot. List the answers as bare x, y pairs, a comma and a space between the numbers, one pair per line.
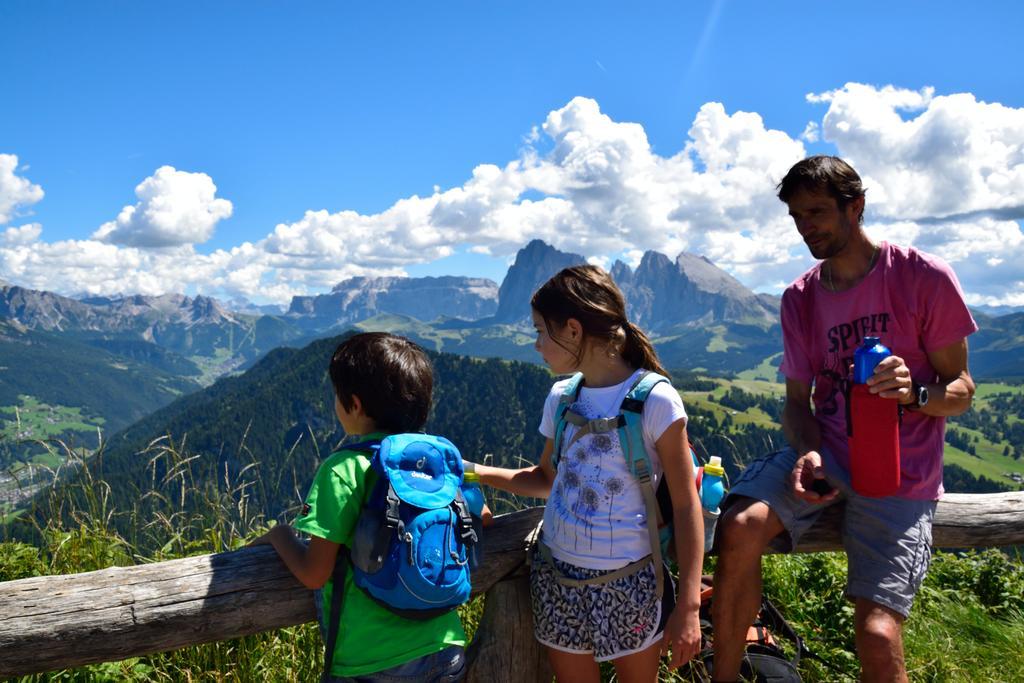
920, 394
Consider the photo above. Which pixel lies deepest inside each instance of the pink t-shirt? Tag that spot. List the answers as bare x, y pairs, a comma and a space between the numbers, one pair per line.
913, 302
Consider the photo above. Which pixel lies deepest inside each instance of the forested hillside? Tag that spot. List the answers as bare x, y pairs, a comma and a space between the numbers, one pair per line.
56, 387
268, 429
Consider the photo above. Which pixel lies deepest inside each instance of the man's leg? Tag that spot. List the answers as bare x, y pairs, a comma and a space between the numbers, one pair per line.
888, 548
744, 532
879, 632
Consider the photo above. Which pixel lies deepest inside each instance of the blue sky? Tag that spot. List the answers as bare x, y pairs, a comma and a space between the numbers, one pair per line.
329, 119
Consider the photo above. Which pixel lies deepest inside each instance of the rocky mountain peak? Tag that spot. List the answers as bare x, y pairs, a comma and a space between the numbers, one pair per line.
621, 273
534, 265
692, 290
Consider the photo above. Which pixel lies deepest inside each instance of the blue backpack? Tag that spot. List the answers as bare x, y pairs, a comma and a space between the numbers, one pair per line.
411, 548
414, 543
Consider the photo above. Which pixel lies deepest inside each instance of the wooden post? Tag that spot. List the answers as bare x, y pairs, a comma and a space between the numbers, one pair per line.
504, 649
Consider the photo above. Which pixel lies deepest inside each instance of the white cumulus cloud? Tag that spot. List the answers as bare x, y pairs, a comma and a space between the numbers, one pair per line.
22, 235
174, 208
15, 191
929, 156
944, 173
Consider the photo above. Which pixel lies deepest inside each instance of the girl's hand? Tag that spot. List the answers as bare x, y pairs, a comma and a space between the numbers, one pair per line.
682, 636
486, 516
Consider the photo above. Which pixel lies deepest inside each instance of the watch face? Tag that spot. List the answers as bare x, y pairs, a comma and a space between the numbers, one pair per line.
922, 394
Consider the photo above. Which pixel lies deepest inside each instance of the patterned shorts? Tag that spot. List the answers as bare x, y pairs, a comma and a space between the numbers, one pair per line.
608, 620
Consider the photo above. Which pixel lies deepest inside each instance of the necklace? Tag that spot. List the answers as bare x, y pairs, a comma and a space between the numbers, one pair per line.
871, 264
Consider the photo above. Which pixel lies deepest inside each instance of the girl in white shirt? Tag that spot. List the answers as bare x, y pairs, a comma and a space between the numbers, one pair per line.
593, 581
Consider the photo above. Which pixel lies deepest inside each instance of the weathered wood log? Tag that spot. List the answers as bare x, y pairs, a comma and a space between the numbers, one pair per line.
54, 622
504, 648
962, 520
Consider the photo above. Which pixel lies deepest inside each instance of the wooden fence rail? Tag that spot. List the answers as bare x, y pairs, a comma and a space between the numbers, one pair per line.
55, 622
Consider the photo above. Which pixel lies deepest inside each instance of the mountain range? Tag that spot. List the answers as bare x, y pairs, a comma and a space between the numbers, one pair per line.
698, 316
202, 339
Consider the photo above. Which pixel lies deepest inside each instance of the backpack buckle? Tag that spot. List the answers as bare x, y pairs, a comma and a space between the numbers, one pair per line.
392, 518
603, 425
643, 473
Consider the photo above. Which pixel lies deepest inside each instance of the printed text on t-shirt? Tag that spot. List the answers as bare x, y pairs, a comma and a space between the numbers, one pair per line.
848, 335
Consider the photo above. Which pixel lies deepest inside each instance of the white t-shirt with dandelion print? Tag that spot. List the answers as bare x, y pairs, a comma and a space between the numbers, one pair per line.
595, 516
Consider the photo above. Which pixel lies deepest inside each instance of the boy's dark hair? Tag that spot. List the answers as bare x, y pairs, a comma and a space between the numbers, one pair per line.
391, 375
823, 173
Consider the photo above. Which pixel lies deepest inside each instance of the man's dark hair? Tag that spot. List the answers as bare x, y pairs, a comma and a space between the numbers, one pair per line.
823, 174
391, 375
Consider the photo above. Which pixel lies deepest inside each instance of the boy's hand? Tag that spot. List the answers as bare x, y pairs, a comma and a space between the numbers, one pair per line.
266, 538
262, 539
682, 636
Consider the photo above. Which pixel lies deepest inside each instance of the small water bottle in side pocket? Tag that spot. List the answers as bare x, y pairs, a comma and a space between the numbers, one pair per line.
474, 496
712, 491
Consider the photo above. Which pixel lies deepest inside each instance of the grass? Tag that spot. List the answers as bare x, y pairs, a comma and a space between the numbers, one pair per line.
966, 626
213, 366
767, 371
718, 343
986, 390
756, 416
32, 419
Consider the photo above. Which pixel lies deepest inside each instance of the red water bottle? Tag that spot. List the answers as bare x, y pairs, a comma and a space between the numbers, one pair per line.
873, 428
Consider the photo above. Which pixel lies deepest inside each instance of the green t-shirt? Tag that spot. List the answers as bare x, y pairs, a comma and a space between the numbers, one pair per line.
370, 637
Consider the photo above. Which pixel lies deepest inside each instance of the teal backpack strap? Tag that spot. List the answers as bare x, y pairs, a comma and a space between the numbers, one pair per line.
631, 438
631, 433
569, 395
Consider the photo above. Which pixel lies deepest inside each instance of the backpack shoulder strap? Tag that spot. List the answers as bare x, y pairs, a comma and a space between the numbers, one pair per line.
631, 439
368, 446
334, 620
631, 433
569, 396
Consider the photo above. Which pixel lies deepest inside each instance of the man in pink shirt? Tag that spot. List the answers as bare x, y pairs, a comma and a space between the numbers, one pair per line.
913, 302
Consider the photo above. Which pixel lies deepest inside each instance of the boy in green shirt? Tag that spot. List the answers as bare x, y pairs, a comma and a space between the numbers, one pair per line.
382, 385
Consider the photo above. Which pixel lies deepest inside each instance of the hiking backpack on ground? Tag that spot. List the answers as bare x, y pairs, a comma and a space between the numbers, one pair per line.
763, 661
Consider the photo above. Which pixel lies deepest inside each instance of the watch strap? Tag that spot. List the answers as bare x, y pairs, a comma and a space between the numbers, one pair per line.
920, 393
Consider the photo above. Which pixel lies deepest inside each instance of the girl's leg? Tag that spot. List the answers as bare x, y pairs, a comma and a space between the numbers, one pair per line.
639, 667
570, 667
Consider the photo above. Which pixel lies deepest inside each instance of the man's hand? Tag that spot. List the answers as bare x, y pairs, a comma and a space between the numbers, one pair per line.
682, 636
891, 379
806, 472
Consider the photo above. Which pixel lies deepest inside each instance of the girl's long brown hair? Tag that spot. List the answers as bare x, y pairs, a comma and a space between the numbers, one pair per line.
588, 294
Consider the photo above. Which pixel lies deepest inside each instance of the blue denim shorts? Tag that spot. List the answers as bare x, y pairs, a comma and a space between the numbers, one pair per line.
887, 540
